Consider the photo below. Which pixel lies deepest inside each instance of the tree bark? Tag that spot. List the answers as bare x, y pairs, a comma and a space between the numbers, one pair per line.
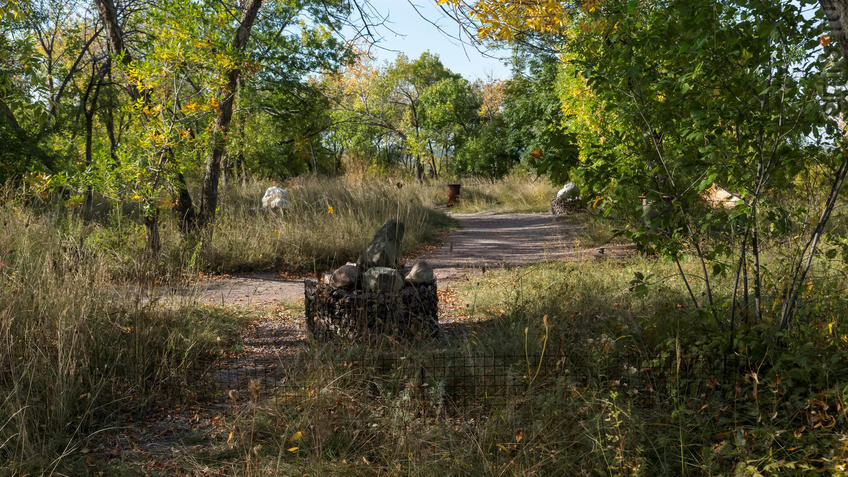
836, 12
151, 223
183, 207
115, 38
212, 173
109, 122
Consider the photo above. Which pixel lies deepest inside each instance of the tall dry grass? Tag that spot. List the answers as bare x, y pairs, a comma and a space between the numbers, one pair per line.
516, 192
78, 348
331, 220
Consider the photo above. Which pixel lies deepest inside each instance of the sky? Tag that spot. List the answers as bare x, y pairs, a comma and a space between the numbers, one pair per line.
406, 31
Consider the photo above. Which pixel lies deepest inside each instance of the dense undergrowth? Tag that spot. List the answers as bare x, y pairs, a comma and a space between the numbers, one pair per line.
640, 385
636, 381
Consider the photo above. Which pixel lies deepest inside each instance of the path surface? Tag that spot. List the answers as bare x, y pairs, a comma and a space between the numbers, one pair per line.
483, 241
488, 240
250, 289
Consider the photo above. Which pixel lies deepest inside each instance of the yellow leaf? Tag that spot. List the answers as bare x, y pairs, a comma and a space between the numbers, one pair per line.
293, 449
598, 199
230, 438
296, 436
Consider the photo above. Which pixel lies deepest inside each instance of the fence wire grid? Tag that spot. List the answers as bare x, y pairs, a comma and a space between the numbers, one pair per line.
452, 376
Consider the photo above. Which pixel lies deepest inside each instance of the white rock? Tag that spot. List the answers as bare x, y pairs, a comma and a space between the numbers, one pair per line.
279, 204
421, 273
569, 191
275, 197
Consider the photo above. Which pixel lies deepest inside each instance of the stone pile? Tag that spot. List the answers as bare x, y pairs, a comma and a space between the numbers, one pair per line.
374, 295
567, 200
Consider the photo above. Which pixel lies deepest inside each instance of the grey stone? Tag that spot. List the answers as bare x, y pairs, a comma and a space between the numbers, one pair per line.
384, 247
276, 198
382, 280
345, 276
568, 192
421, 274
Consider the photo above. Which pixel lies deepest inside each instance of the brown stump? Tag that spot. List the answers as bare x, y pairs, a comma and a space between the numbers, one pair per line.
410, 313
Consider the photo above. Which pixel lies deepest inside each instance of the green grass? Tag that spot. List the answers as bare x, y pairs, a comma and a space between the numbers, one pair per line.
81, 345
78, 350
640, 388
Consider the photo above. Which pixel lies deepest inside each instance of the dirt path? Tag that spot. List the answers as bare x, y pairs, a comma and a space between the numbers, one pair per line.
483, 241
249, 290
488, 240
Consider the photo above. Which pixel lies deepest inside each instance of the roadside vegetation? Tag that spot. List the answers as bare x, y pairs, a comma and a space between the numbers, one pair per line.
635, 383
138, 139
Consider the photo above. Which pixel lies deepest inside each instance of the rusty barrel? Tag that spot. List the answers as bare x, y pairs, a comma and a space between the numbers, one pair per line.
453, 194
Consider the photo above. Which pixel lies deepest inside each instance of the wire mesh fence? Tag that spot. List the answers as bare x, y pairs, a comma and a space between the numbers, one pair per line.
453, 376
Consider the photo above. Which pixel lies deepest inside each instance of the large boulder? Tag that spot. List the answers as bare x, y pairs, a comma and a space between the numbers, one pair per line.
275, 198
421, 274
382, 280
568, 192
384, 248
345, 276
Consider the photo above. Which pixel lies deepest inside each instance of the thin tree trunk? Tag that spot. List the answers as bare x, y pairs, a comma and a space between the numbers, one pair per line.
89, 159
151, 224
755, 251
212, 173
88, 110
225, 165
109, 122
419, 169
184, 207
809, 251
115, 39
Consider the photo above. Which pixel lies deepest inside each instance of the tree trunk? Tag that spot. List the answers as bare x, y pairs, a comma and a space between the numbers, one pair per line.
151, 224
419, 169
89, 159
225, 166
212, 173
115, 38
109, 122
836, 12
184, 207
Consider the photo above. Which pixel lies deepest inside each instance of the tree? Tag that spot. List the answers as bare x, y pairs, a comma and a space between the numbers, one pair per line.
381, 109
227, 93
533, 117
667, 99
